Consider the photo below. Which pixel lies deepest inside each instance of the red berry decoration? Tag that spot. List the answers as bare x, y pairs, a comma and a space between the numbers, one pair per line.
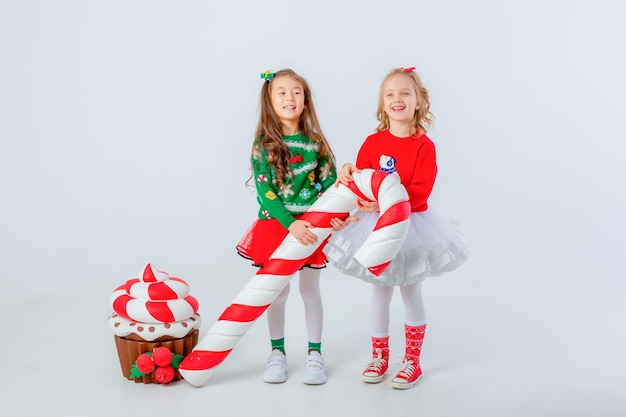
162, 356
144, 363
164, 374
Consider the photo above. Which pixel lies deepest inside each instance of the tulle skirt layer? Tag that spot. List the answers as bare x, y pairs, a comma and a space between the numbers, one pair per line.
433, 246
262, 239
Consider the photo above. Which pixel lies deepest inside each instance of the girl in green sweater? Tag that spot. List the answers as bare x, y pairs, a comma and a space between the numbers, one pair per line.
292, 165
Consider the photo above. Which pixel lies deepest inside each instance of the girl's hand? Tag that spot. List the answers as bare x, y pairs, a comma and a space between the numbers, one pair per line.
339, 224
345, 174
300, 230
367, 205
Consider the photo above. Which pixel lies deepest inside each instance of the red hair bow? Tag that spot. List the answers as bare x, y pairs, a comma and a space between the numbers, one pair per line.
410, 69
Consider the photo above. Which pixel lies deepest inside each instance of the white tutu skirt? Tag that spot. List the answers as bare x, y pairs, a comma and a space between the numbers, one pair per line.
433, 246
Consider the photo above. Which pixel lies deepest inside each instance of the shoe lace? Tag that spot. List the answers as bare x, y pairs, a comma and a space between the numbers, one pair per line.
407, 370
378, 363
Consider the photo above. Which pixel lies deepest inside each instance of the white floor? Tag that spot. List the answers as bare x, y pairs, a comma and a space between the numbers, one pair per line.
125, 133
494, 347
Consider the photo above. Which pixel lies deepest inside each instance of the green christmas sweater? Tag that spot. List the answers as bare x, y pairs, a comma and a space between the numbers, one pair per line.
310, 176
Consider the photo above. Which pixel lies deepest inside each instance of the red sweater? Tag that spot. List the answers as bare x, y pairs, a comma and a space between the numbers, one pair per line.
413, 158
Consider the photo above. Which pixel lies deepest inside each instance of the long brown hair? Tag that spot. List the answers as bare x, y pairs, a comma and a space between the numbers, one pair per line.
423, 118
269, 130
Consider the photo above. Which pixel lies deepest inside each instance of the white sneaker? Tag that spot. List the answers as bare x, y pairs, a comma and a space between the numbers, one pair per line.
314, 373
276, 369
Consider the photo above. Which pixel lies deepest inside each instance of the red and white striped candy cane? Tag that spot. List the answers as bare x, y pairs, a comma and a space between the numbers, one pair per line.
257, 295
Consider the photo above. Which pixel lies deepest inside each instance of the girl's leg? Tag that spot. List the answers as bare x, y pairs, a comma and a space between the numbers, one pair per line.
276, 368
276, 315
414, 311
414, 330
379, 311
314, 372
379, 316
312, 298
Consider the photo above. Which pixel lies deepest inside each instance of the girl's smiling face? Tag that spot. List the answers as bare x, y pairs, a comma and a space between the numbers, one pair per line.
287, 95
400, 101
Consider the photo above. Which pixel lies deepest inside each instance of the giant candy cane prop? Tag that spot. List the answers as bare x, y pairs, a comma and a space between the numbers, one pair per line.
257, 295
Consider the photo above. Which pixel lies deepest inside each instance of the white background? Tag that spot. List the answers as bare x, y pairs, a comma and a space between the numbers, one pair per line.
125, 130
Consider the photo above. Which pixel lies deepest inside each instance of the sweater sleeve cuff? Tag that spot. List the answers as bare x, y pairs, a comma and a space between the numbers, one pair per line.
286, 220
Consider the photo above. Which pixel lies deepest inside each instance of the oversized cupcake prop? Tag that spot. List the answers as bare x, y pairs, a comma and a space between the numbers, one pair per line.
156, 324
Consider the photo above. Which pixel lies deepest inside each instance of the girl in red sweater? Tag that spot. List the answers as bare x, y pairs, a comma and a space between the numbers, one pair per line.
433, 244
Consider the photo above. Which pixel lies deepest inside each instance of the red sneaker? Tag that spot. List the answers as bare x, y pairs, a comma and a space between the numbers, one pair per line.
408, 376
375, 370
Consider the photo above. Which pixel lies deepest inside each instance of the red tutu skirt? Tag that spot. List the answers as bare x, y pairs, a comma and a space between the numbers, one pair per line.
262, 239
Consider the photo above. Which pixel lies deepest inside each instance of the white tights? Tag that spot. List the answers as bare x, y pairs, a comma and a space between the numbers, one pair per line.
415, 314
313, 311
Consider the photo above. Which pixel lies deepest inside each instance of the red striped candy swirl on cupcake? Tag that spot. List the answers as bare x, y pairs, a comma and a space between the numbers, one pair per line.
153, 305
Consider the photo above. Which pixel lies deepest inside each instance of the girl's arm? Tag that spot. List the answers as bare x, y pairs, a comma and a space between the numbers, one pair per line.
267, 193
363, 158
326, 172
424, 175
345, 173
345, 176
328, 177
